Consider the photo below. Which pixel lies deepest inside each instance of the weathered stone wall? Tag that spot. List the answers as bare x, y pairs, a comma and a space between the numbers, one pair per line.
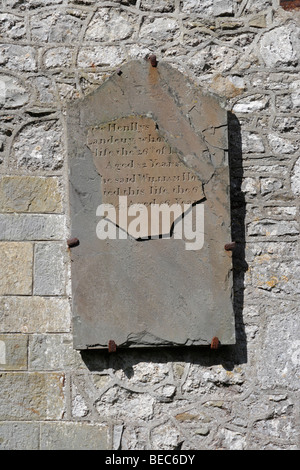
242, 397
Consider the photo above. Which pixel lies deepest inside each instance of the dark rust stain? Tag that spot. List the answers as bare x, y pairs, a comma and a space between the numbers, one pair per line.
215, 343
71, 242
230, 246
112, 347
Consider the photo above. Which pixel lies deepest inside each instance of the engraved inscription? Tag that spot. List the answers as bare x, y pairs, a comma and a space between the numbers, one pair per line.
136, 161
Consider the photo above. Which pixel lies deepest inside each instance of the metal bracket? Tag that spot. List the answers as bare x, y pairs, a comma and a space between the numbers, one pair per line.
215, 343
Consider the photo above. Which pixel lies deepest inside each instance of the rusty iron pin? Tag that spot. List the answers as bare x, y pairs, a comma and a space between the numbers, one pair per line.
290, 4
215, 343
112, 347
71, 242
152, 59
230, 246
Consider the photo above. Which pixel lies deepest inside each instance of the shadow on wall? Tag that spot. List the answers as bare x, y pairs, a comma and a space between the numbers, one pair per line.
227, 356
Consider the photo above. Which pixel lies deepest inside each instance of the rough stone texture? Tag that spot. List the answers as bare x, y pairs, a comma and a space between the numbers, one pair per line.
295, 180
144, 168
109, 25
17, 227
16, 268
13, 93
52, 352
19, 436
241, 397
74, 436
33, 396
22, 58
49, 269
38, 147
29, 194
26, 314
281, 46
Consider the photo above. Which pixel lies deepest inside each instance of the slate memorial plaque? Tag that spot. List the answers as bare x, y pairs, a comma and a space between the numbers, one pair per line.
150, 206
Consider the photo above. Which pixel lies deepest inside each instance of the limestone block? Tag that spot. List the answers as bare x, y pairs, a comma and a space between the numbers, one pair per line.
74, 436
16, 435
44, 88
38, 146
273, 228
288, 124
252, 142
222, 7
228, 86
124, 404
280, 46
55, 27
16, 268
109, 26
295, 178
13, 94
258, 5
250, 186
194, 6
160, 29
233, 440
162, 6
58, 57
258, 21
12, 26
26, 314
279, 363
49, 269
165, 436
295, 95
250, 104
98, 56
18, 227
82, 2
217, 58
31, 4
135, 137
13, 352
277, 277
271, 185
18, 58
